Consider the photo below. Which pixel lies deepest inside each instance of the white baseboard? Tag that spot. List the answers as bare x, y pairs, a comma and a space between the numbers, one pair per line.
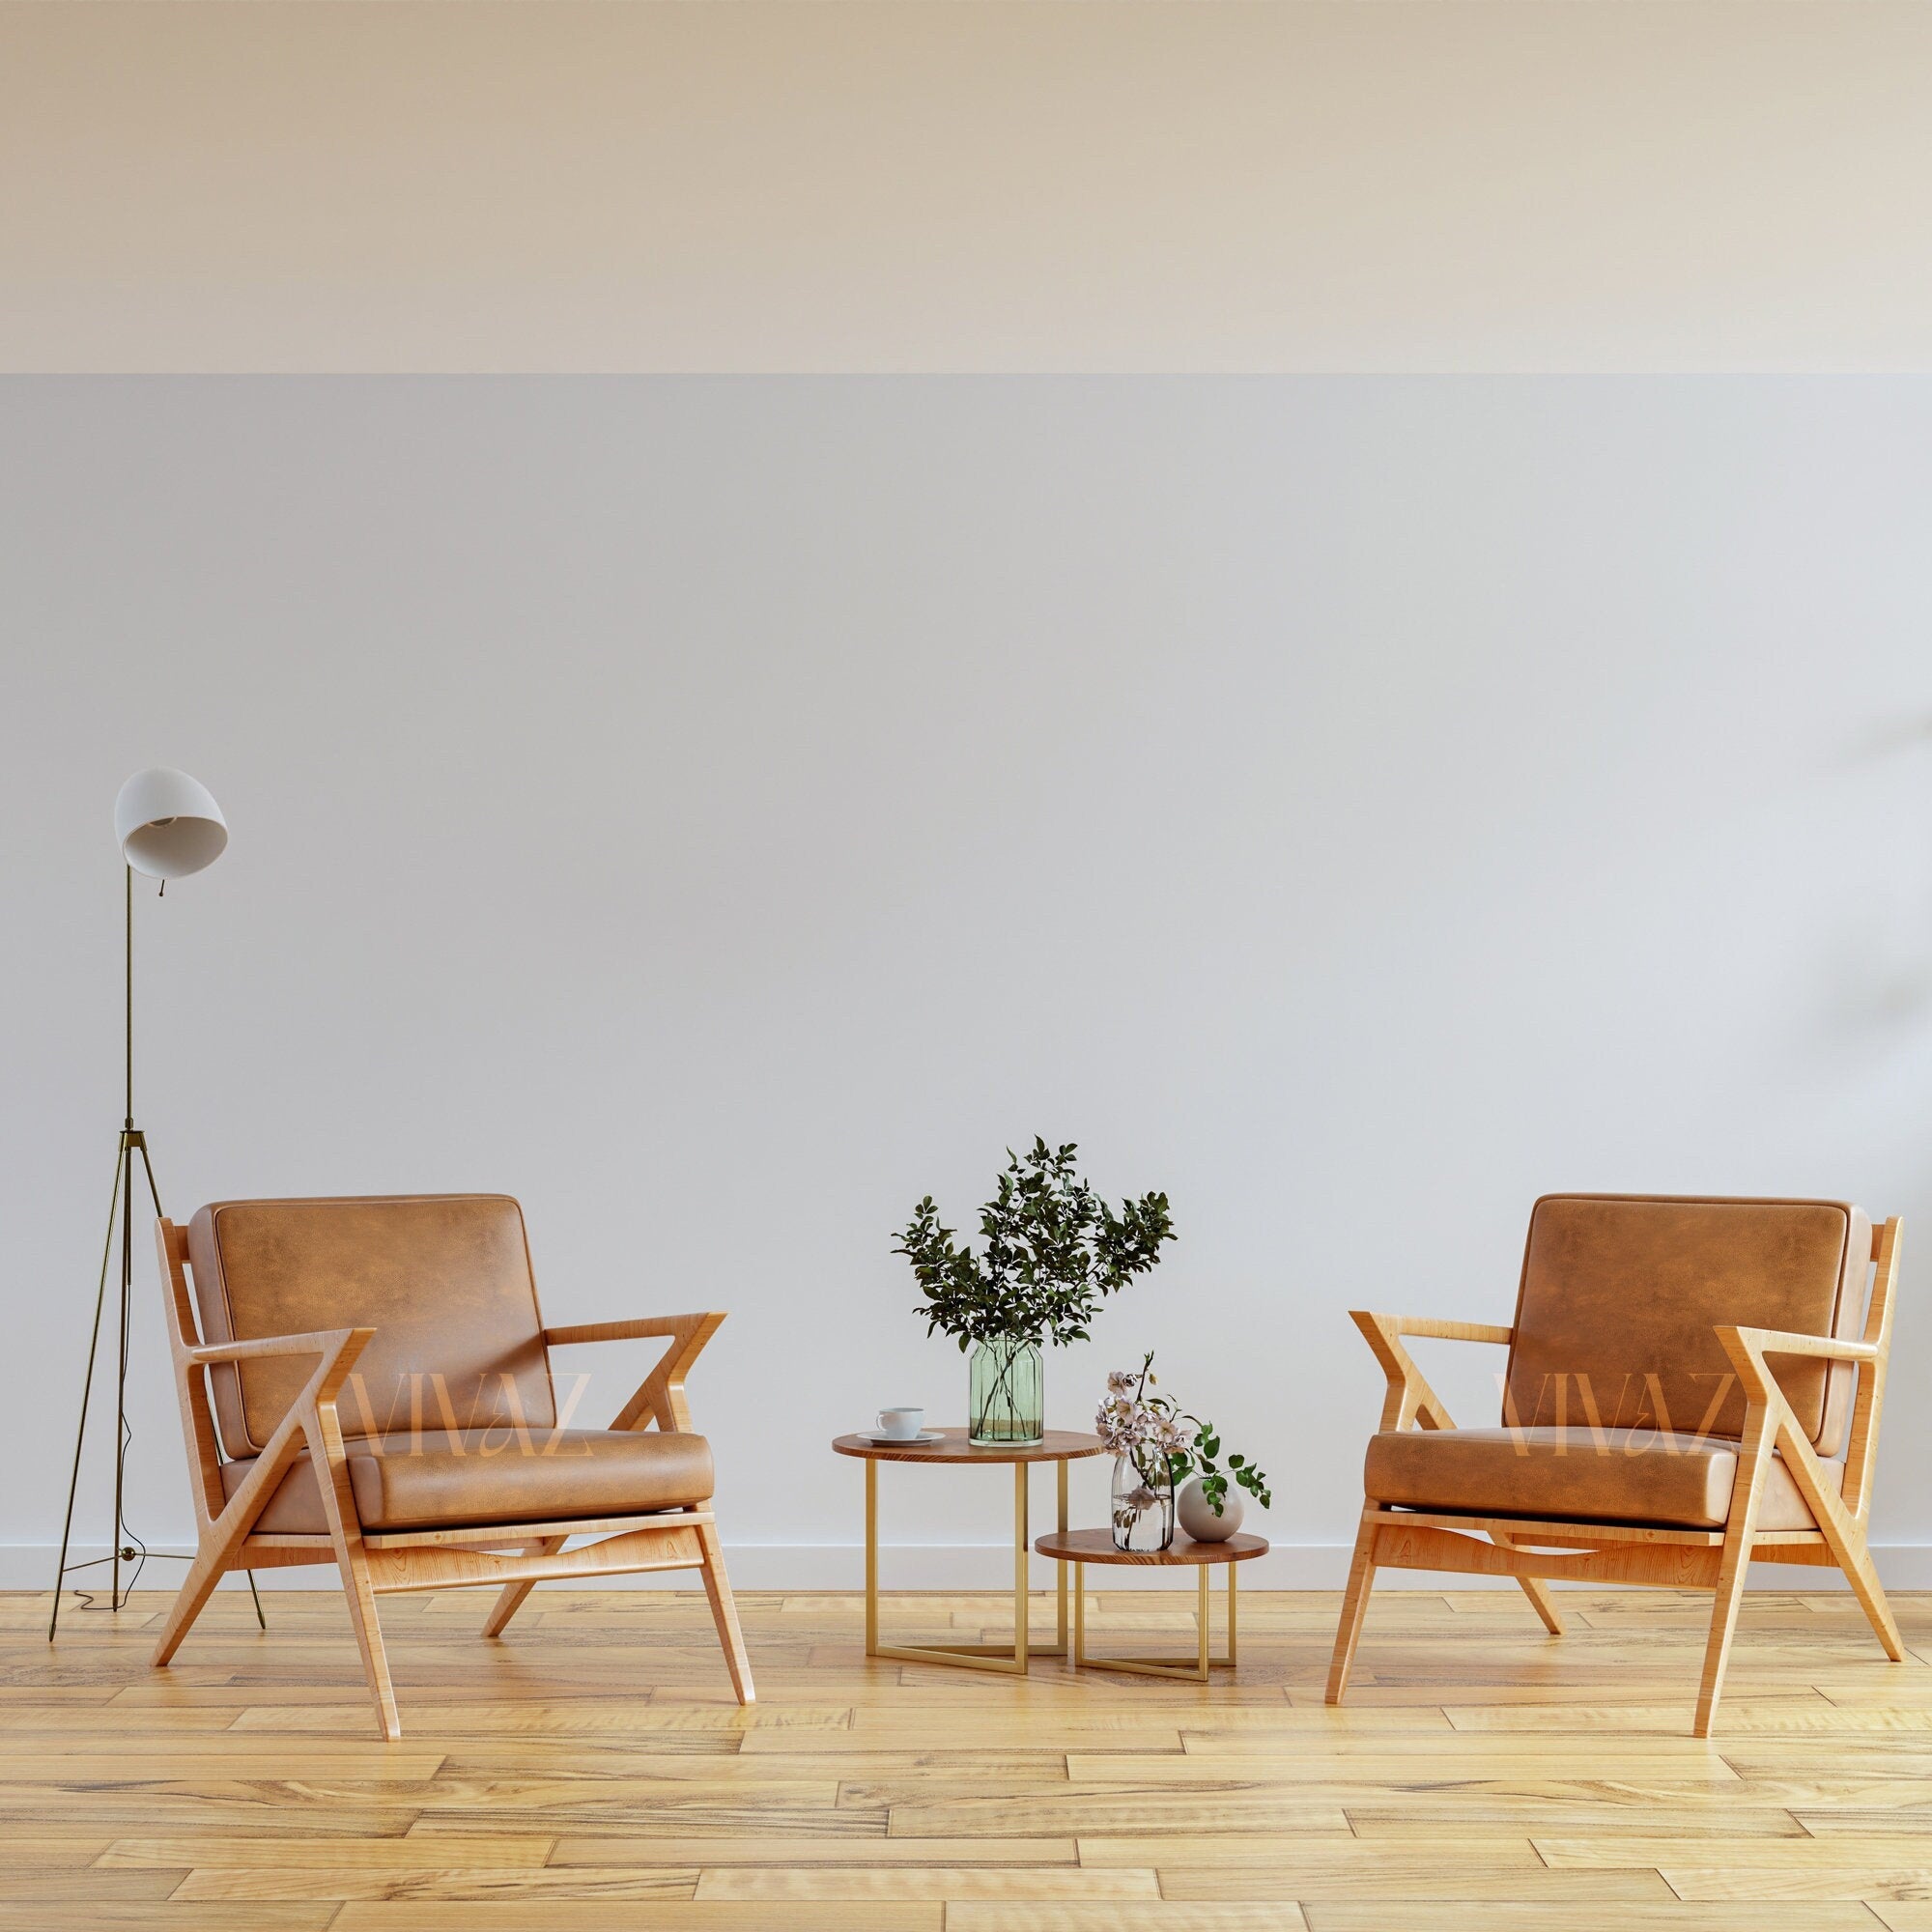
929, 1566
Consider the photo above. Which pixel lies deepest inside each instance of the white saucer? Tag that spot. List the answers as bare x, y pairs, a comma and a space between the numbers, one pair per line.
924, 1437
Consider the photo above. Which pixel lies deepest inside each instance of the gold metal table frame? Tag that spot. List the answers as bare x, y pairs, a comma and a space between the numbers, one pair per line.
1057, 1446
1082, 1547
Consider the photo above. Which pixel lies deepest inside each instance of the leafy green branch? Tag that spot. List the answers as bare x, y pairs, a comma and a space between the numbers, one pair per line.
1052, 1251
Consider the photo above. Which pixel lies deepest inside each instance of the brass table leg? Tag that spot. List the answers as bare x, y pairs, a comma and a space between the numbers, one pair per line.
1196, 1672
871, 1559
1201, 1618
1060, 1569
1009, 1658
1021, 1617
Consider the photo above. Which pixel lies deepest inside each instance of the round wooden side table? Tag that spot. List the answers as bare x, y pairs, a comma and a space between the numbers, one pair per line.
1059, 1447
1082, 1547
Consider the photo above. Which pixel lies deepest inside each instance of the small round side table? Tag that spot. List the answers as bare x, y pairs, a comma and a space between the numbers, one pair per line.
1082, 1547
1061, 1446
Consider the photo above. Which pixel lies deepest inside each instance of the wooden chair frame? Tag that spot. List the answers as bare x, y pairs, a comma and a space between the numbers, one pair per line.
511, 1556
1596, 1553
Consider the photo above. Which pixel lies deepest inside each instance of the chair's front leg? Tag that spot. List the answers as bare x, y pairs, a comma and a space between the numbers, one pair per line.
344, 1531
724, 1613
1354, 1604
1753, 1464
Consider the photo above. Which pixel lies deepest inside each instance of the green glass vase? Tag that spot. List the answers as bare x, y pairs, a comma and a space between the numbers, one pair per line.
1007, 1403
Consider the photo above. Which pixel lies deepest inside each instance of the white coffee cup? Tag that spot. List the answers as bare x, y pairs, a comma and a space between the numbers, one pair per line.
900, 1425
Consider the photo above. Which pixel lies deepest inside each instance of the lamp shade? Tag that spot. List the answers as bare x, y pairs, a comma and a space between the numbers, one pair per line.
168, 823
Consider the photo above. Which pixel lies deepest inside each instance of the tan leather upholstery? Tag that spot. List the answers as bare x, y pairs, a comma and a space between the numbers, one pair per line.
1635, 1476
1620, 1298
1627, 1421
444, 1279
387, 1407
438, 1481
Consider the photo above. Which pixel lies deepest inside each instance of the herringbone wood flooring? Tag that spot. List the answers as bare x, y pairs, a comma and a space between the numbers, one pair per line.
590, 1772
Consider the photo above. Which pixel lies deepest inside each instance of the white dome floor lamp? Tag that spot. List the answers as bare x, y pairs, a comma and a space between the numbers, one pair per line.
168, 825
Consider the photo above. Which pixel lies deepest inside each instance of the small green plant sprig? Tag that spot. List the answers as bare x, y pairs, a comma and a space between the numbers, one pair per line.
1154, 1430
1053, 1251
1213, 1484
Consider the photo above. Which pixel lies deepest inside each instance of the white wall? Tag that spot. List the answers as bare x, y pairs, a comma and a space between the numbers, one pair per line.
721, 810
952, 184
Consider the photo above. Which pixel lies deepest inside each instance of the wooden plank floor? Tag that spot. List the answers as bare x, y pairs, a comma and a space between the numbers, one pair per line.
591, 1772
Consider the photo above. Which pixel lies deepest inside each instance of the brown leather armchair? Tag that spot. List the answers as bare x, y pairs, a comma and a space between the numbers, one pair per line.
381, 1379
1645, 1436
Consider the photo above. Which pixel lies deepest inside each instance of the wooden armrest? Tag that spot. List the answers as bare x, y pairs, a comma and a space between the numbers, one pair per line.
1748, 1347
1786, 1342
636, 1328
1429, 1327
322, 1342
660, 1396
338, 1348
1409, 1396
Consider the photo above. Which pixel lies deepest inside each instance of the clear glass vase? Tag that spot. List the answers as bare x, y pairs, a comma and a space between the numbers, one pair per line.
1142, 1503
1006, 1401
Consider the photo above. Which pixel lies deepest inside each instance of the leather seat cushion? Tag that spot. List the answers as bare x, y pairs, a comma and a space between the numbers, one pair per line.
1634, 1476
439, 1480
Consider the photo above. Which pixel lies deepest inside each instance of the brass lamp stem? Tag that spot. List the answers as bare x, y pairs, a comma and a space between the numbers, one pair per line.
121, 1207
128, 1007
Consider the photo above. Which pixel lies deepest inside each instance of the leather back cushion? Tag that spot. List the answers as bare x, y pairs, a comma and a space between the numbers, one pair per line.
1627, 1290
444, 1279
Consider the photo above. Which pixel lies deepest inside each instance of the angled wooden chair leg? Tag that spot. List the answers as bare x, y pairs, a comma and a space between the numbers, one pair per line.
1746, 1488
208, 1569
1538, 1593
1723, 1627
1844, 1534
369, 1637
1845, 1538
509, 1600
1543, 1604
725, 1615
221, 1540
1857, 1564
344, 1531
362, 1600
1355, 1606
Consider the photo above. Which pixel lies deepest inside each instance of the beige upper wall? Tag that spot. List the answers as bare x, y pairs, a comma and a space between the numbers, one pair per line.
1460, 184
